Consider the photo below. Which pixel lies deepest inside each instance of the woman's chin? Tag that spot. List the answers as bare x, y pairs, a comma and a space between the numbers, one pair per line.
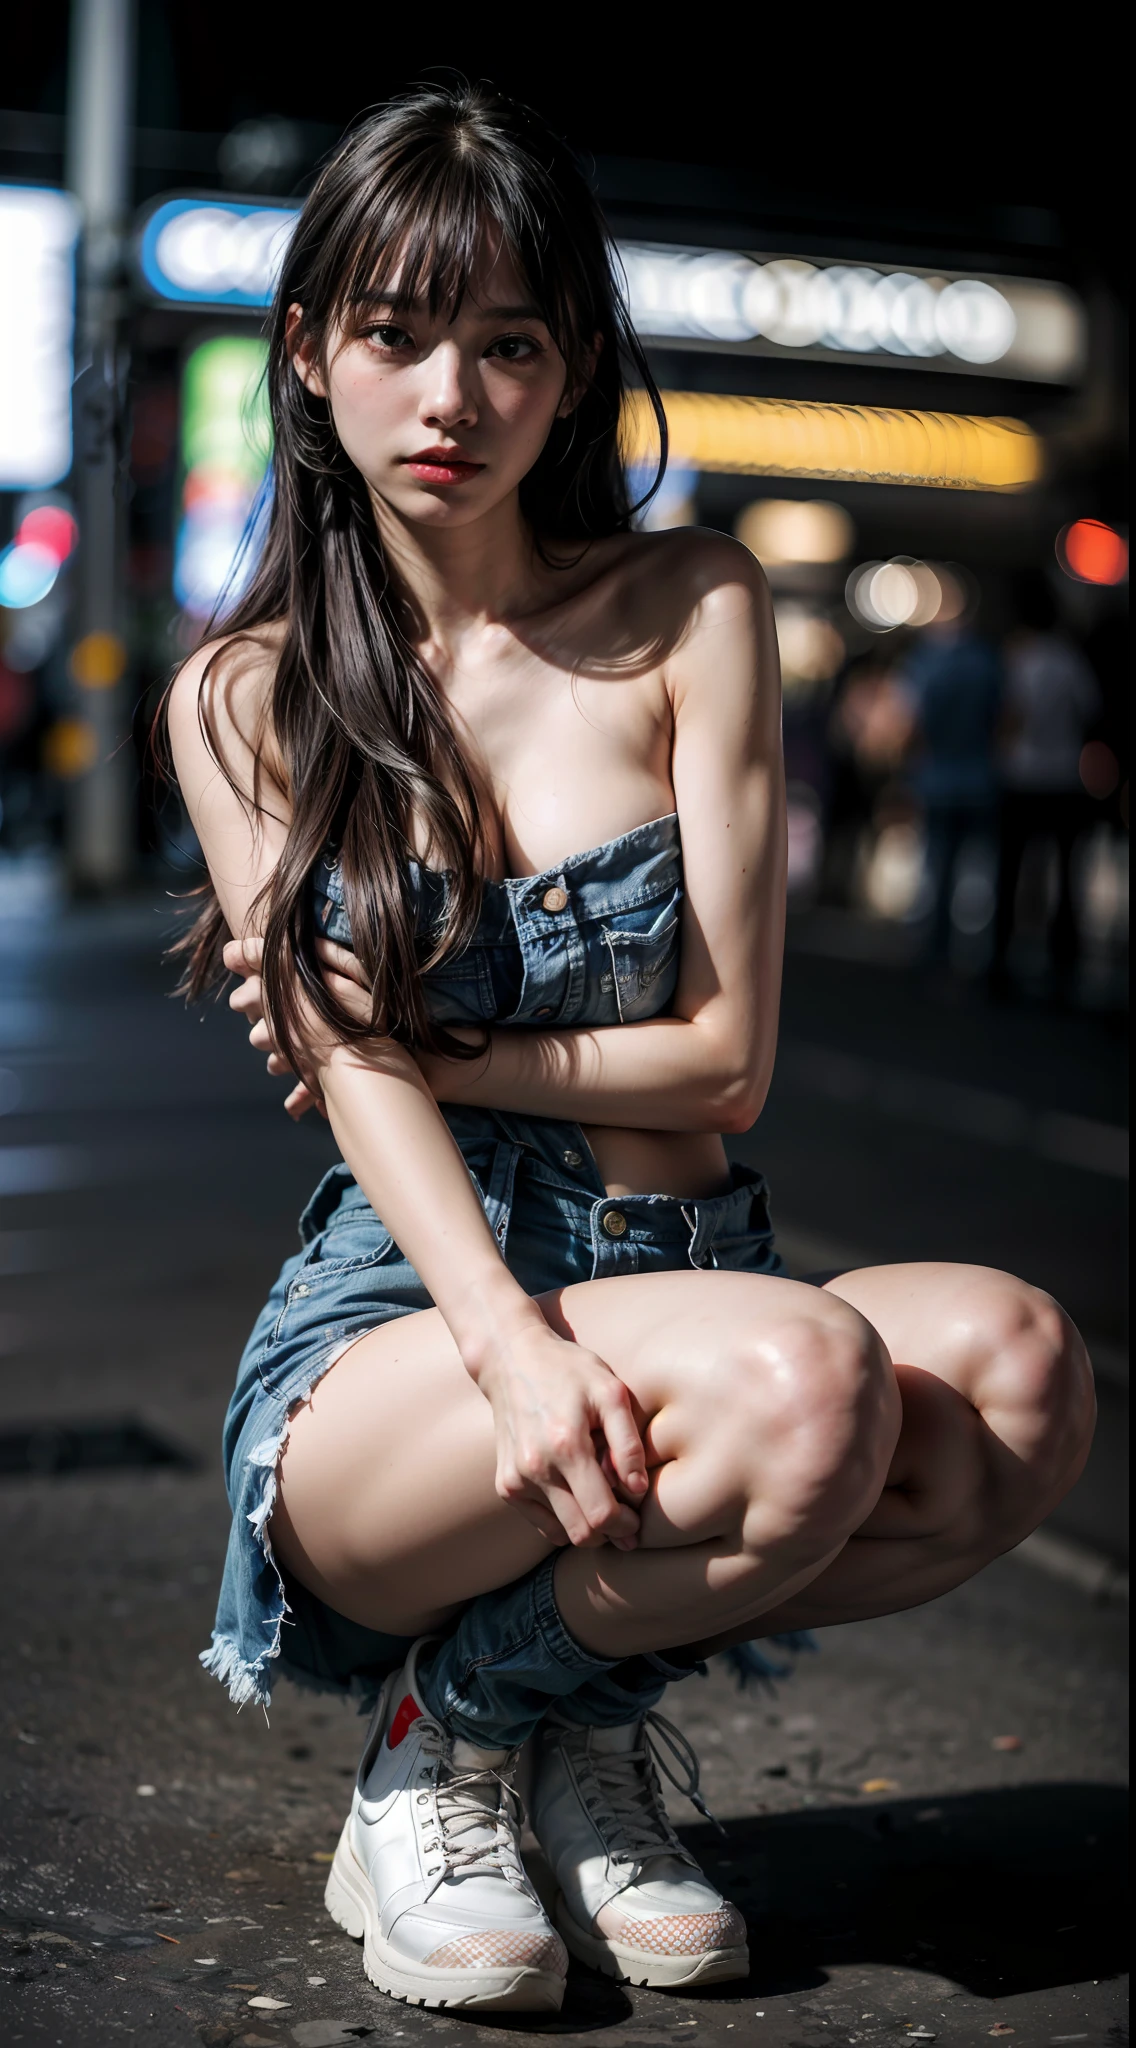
439, 505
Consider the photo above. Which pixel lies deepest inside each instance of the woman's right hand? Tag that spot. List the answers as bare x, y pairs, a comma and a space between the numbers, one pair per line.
345, 979
567, 1440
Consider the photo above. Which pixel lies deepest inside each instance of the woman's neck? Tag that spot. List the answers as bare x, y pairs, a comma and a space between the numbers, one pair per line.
462, 579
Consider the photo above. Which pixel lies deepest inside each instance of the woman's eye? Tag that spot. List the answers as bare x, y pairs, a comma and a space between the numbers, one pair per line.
389, 336
514, 348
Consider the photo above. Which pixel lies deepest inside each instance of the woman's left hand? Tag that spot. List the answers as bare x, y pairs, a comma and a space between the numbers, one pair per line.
344, 978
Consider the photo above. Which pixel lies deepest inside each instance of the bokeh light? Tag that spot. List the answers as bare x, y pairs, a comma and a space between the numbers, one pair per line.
213, 252
229, 254
903, 592
870, 444
49, 526
226, 441
98, 661
811, 649
70, 747
1092, 552
780, 531
38, 230
27, 573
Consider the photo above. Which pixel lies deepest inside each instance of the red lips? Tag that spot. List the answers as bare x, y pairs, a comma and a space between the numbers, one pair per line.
442, 466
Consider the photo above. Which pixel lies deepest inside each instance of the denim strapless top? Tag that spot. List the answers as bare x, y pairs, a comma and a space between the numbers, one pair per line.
592, 941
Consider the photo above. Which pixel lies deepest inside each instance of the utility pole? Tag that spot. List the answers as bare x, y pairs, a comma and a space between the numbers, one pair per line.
100, 127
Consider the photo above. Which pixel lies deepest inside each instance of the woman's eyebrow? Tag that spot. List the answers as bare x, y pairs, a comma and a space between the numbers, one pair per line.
396, 304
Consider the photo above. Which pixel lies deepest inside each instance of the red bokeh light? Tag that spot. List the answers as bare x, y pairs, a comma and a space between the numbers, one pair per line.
1093, 552
49, 527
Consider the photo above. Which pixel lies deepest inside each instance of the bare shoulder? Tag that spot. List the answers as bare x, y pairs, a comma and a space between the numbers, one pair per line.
219, 703
709, 604
694, 578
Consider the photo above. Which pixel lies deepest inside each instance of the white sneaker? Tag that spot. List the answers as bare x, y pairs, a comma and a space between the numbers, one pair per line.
633, 1902
428, 1871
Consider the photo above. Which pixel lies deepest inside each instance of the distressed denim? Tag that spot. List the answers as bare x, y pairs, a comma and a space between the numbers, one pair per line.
606, 953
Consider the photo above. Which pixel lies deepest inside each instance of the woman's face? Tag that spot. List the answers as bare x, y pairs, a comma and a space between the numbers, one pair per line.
444, 417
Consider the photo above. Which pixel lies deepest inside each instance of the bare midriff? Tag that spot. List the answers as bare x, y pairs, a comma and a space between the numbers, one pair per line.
659, 1162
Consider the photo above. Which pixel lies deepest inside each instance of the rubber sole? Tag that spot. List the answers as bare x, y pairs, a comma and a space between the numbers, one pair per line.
642, 1967
350, 1899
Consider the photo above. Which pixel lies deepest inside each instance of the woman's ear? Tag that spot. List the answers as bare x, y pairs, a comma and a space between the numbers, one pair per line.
302, 353
574, 391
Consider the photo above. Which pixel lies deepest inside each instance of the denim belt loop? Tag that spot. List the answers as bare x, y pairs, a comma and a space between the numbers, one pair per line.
700, 1251
498, 1197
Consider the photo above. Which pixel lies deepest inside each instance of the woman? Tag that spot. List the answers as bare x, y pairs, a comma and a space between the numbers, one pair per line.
489, 789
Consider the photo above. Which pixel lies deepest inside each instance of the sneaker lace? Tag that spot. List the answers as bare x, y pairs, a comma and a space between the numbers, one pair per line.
624, 1794
478, 1812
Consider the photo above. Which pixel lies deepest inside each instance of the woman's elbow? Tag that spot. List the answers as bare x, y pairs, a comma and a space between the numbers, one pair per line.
739, 1101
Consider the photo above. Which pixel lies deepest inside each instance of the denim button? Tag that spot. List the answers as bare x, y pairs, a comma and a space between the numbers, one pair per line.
301, 1289
572, 1159
554, 899
615, 1222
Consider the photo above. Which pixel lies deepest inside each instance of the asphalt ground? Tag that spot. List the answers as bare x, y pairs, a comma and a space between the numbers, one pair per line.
924, 1824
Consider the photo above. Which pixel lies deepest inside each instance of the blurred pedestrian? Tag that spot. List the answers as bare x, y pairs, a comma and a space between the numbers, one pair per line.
868, 733
953, 678
1052, 699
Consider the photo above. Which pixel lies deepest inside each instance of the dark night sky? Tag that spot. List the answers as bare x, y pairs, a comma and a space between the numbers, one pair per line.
931, 110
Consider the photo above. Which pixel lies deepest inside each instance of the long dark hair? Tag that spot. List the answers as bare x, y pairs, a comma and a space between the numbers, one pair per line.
360, 725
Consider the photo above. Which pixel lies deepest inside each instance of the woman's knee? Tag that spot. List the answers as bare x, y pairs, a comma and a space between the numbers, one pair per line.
1024, 1365
809, 1412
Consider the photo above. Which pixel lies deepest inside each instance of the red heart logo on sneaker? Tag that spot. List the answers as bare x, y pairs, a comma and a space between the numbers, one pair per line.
408, 1713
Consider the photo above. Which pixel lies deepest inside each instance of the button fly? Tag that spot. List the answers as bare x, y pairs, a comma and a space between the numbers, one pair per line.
555, 899
615, 1222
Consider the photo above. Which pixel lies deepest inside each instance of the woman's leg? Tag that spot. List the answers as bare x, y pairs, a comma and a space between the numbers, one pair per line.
998, 1413
767, 1420
770, 1414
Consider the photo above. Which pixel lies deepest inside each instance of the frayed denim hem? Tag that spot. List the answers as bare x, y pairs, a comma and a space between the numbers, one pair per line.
251, 1679
246, 1682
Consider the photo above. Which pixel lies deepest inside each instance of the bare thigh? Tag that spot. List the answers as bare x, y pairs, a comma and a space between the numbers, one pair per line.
387, 1506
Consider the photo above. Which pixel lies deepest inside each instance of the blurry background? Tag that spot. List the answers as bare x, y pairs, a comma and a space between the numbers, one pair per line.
885, 306
878, 269
886, 312
887, 317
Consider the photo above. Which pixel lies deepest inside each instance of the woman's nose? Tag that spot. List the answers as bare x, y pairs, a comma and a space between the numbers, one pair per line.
447, 399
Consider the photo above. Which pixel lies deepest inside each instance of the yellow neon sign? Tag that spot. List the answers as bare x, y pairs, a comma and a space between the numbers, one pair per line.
862, 443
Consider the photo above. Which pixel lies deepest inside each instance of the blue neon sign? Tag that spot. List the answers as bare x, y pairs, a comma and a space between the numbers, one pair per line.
215, 252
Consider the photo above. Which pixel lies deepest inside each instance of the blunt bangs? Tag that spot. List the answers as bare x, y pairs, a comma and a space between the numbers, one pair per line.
420, 217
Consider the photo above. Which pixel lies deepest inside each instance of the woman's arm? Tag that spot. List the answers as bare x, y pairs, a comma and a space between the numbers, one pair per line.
706, 1066
549, 1397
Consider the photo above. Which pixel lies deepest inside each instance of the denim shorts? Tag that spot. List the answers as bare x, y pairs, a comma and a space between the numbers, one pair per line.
547, 1208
